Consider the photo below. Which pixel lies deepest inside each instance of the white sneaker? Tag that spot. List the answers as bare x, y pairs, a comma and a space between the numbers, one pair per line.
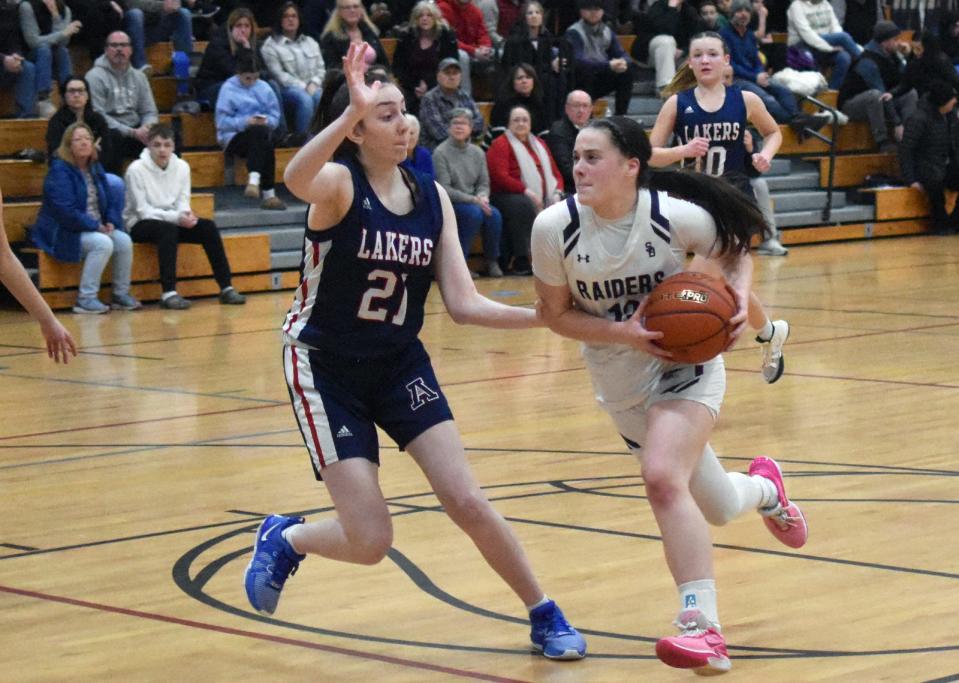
771, 247
841, 119
773, 363
45, 109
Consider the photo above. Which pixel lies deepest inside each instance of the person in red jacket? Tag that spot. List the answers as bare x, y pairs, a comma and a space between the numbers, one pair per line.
524, 179
472, 39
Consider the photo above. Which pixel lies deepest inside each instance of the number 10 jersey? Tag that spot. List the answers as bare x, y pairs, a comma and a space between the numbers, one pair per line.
725, 128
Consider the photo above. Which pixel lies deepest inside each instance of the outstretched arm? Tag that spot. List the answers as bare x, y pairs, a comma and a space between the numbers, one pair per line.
464, 303
309, 176
59, 342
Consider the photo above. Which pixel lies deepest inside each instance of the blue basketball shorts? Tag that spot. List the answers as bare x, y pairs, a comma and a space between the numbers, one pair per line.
340, 400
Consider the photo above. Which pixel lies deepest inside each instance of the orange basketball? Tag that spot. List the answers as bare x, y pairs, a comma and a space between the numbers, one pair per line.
692, 310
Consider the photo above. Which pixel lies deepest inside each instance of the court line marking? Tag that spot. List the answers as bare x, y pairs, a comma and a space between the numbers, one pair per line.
253, 635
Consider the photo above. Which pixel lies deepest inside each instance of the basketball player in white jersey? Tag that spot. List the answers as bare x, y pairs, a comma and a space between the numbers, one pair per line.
595, 257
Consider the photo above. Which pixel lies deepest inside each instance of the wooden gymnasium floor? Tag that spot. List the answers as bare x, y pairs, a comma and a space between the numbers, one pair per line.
130, 482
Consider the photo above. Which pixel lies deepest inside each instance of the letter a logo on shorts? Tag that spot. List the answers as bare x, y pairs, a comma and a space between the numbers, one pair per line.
690, 601
420, 394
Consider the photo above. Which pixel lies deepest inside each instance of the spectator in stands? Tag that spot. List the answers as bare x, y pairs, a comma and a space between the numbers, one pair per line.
873, 91
813, 24
949, 35
418, 158
444, 98
14, 278
18, 72
124, 98
509, 14
524, 180
158, 212
81, 219
490, 11
100, 18
295, 62
751, 76
861, 16
461, 170
247, 116
552, 57
664, 36
929, 153
153, 21
219, 59
520, 87
472, 39
421, 47
562, 134
709, 18
350, 24
47, 26
932, 64
75, 94
600, 65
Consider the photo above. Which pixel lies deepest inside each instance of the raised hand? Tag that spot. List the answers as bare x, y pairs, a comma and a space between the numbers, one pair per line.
354, 68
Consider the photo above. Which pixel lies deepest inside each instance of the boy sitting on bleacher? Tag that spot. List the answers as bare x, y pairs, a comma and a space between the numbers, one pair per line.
158, 211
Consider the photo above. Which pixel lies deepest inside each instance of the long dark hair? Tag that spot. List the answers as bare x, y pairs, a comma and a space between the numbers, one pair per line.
88, 107
507, 91
737, 217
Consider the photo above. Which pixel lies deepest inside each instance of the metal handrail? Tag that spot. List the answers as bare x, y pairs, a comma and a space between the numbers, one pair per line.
834, 113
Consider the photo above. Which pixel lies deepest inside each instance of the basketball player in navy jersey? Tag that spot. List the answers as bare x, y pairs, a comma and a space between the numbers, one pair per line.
709, 120
595, 258
376, 236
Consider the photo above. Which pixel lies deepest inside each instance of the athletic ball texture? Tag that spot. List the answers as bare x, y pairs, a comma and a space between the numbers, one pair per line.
692, 310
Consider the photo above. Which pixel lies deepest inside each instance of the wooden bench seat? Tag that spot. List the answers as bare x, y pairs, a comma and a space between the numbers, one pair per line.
208, 167
17, 134
904, 202
198, 130
855, 136
17, 216
160, 55
249, 257
852, 169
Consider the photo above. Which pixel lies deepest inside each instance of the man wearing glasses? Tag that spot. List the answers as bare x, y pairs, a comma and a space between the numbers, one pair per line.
122, 94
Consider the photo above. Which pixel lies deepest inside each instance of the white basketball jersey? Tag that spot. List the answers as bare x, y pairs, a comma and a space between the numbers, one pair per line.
568, 250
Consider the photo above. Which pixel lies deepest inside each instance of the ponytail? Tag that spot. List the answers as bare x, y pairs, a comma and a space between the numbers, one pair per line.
737, 217
683, 80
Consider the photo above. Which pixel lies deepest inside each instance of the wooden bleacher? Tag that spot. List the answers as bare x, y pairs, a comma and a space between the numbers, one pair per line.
851, 169
249, 257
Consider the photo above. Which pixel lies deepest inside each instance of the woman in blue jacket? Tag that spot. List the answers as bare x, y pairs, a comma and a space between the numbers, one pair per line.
81, 221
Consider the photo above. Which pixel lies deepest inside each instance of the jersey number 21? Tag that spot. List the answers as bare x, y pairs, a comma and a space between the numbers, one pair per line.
375, 302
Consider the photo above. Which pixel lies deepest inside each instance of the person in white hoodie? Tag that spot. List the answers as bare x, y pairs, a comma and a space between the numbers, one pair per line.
813, 24
158, 211
122, 94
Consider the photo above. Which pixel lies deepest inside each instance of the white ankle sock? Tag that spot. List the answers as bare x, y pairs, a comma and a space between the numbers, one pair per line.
167, 295
700, 595
269, 194
543, 601
287, 533
766, 333
254, 178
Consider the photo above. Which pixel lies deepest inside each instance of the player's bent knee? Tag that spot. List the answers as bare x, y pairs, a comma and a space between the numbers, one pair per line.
371, 550
469, 510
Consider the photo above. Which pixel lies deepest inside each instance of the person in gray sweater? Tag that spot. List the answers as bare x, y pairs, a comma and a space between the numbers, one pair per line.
461, 169
123, 96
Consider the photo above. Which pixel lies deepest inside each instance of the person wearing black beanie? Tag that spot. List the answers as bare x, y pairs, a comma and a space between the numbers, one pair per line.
927, 153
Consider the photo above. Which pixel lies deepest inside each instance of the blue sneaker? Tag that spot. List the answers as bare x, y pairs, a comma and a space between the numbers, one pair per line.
274, 560
553, 636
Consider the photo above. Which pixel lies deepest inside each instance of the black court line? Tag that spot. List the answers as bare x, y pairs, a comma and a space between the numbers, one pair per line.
945, 679
84, 352
14, 546
253, 635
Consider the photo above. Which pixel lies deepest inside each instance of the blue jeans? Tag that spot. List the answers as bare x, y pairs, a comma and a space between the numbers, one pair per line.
780, 101
96, 249
24, 88
840, 61
302, 105
469, 219
177, 26
44, 58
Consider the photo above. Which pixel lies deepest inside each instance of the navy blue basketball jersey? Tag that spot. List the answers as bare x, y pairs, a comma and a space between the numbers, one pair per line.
363, 282
724, 127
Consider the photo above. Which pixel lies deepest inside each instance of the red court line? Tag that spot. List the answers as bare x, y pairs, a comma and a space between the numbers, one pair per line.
137, 422
253, 635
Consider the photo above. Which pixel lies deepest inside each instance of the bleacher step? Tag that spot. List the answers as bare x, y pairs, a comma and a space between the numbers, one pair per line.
793, 181
285, 260
793, 201
846, 214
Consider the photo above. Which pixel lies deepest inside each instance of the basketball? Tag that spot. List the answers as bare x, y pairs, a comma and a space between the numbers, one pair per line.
692, 310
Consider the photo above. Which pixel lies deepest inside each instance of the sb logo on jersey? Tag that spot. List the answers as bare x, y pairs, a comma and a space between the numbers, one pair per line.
650, 250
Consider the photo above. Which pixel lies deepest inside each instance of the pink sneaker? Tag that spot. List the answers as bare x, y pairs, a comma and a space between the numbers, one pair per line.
785, 520
699, 647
